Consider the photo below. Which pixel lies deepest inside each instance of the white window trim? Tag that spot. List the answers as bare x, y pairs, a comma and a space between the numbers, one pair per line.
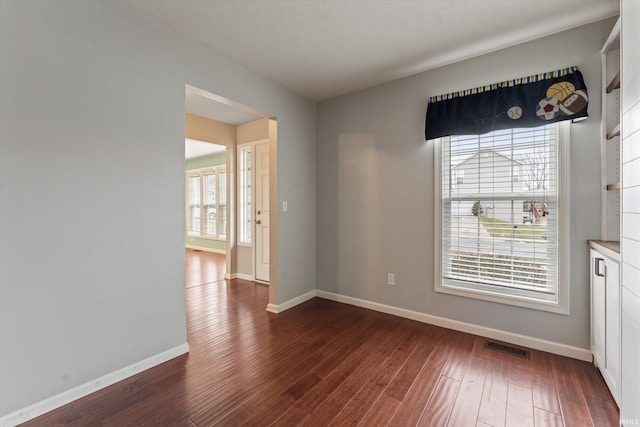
561, 305
247, 244
200, 173
251, 144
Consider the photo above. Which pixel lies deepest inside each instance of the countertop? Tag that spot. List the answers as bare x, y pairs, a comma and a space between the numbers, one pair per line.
609, 248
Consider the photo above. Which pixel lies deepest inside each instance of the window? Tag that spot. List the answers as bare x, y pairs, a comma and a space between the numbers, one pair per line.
244, 186
503, 232
207, 204
194, 205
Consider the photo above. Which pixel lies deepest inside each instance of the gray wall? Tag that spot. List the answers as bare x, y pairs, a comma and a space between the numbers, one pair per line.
90, 282
245, 260
375, 188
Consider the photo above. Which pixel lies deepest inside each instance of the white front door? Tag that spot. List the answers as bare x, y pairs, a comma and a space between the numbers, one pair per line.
262, 212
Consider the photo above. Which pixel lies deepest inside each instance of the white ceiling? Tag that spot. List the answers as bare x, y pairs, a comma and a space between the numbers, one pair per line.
194, 149
200, 103
324, 48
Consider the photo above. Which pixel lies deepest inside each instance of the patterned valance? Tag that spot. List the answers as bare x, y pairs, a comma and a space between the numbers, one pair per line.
520, 103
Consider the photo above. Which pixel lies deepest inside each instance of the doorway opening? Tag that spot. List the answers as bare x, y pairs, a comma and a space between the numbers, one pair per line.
205, 211
235, 217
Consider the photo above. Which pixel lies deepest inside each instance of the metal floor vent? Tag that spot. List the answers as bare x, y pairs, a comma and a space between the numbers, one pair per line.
524, 354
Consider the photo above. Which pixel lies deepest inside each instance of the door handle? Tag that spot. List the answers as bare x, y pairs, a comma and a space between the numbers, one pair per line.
258, 222
599, 271
258, 213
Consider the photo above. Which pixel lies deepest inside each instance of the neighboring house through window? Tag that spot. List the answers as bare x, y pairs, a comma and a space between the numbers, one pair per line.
502, 216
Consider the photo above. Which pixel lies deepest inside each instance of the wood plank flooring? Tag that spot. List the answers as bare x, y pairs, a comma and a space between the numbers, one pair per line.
204, 267
324, 363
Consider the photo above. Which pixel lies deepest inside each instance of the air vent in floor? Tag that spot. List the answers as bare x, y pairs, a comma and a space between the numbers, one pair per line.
524, 354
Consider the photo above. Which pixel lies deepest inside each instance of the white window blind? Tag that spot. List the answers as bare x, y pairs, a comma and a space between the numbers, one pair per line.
222, 204
499, 213
207, 208
210, 202
245, 209
194, 204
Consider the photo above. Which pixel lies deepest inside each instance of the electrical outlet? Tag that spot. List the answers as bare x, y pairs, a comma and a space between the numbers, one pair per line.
285, 206
391, 279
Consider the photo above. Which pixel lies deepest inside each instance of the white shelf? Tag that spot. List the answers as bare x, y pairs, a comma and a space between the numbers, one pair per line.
614, 186
614, 132
614, 83
610, 140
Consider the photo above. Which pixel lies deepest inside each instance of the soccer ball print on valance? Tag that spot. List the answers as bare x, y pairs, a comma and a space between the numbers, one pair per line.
521, 103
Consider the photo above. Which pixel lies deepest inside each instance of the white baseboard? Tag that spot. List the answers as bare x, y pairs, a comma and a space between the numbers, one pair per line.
202, 248
272, 308
497, 334
87, 388
279, 308
239, 276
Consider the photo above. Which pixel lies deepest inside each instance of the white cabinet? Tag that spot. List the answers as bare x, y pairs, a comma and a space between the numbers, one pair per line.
606, 311
605, 319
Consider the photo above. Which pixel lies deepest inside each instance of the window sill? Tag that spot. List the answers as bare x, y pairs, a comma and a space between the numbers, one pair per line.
218, 239
518, 301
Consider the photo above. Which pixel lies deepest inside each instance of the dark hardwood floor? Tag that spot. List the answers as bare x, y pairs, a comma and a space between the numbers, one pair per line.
204, 267
325, 363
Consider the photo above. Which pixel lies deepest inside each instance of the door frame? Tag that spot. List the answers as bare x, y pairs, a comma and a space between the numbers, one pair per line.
253, 145
232, 238
254, 194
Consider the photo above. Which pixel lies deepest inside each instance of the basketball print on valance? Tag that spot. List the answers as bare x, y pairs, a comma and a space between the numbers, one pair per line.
521, 103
